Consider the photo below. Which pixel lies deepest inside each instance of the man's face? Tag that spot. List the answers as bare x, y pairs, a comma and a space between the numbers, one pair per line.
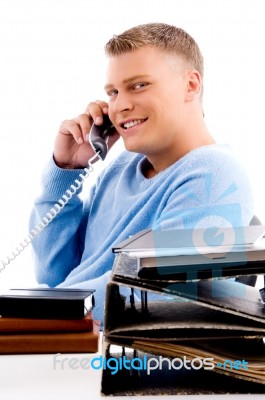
146, 91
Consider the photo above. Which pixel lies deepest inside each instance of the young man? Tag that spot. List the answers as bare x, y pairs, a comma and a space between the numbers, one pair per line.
172, 174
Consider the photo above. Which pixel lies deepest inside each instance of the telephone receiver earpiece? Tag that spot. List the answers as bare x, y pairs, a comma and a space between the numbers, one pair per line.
99, 136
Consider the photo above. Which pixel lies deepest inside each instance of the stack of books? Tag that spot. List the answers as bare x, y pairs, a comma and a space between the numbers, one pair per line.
187, 327
48, 321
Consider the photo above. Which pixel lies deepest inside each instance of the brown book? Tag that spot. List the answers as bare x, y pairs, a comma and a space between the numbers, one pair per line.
48, 342
21, 325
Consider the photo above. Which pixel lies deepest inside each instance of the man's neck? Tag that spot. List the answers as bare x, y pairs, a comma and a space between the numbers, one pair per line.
156, 163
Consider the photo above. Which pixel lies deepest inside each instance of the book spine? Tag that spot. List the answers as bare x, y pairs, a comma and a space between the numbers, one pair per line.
17, 325
42, 343
42, 308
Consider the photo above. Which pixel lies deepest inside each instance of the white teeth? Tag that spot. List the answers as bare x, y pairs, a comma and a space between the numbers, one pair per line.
132, 123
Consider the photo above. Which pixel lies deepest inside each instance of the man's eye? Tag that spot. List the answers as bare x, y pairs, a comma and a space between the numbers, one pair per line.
139, 85
112, 93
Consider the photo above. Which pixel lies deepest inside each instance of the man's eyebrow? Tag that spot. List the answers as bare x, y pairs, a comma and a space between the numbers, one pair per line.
126, 81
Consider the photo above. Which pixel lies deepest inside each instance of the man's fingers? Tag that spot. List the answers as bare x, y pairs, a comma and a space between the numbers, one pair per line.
96, 109
80, 126
85, 124
73, 128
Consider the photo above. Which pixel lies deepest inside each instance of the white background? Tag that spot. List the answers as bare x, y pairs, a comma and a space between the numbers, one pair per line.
53, 64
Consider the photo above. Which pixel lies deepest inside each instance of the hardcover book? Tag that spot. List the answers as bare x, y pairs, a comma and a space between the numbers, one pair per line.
30, 325
51, 342
46, 303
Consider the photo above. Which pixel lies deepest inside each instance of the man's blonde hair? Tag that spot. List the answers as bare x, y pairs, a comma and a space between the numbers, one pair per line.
167, 38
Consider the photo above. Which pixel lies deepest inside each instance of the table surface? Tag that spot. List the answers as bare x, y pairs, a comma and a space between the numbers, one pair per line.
63, 376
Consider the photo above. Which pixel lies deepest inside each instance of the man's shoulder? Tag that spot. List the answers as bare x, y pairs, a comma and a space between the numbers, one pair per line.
214, 156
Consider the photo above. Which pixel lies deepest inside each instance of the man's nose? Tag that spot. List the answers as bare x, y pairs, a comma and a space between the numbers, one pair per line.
122, 102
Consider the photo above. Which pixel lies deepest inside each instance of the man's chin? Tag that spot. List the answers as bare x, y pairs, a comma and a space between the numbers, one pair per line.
135, 147
132, 148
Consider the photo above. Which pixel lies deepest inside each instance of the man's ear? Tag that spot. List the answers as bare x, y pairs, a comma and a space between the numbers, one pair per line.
193, 85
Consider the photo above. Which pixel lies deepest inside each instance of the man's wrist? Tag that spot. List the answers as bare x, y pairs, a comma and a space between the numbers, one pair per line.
65, 166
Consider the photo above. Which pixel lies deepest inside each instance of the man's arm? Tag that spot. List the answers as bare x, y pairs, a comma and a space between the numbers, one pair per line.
58, 249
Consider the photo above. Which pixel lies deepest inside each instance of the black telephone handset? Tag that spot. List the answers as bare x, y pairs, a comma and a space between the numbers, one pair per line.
99, 135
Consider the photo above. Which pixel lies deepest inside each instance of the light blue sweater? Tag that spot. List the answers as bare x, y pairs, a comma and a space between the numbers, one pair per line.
205, 187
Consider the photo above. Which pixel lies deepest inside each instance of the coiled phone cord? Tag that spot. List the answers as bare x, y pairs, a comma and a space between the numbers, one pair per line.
51, 214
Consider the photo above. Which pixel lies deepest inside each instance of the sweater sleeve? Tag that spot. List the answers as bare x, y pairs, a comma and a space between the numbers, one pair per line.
58, 249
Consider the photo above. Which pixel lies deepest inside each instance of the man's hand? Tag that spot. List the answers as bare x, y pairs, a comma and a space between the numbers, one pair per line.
72, 148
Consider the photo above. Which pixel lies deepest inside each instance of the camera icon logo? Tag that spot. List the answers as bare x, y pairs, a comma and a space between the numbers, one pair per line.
215, 238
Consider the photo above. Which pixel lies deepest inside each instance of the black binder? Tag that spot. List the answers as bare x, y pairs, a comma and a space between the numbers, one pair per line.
176, 254
162, 316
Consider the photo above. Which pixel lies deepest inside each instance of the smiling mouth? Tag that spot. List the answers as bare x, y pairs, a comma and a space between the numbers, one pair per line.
130, 124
